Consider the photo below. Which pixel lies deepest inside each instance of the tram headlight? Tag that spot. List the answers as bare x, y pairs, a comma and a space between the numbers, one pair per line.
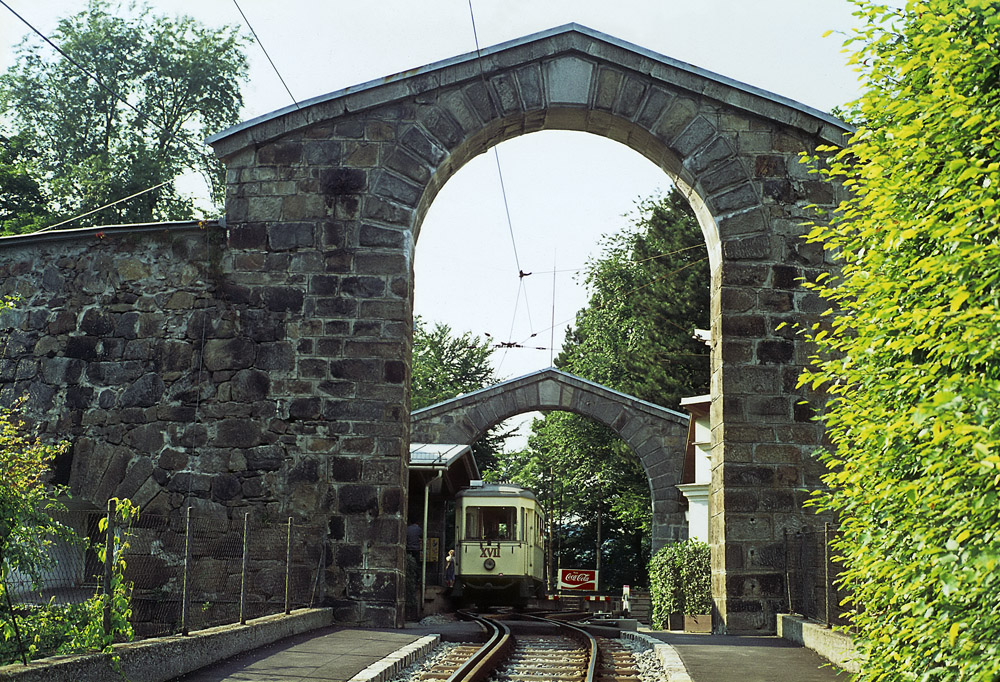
489, 564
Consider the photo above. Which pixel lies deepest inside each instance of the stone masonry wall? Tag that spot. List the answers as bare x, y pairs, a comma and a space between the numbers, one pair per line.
181, 371
266, 364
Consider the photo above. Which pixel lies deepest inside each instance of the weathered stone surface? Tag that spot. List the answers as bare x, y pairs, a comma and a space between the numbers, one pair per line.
145, 392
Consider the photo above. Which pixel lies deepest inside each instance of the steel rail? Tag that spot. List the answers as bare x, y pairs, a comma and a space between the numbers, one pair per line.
488, 658
580, 634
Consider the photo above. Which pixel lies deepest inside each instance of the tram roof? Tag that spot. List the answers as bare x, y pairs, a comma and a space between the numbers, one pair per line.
497, 490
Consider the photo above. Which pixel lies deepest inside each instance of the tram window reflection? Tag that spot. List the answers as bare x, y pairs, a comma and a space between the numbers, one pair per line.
491, 523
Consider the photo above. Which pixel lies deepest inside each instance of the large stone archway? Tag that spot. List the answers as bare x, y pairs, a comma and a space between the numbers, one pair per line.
351, 175
656, 435
262, 363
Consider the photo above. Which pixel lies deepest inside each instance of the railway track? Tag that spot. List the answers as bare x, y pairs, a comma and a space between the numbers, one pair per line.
571, 655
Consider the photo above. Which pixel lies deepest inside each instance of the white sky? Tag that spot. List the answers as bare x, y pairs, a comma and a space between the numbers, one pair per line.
564, 189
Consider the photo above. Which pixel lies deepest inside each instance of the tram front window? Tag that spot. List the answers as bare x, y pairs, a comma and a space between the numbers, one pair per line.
491, 523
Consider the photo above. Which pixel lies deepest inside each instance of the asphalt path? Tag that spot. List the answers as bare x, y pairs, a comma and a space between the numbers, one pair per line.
733, 658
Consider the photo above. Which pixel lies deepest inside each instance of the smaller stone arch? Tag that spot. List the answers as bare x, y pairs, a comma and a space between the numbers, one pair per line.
657, 435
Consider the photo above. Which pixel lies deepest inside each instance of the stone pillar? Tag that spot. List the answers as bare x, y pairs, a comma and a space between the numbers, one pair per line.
308, 246
764, 438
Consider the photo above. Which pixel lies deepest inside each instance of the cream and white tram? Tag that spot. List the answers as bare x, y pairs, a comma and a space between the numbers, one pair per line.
500, 545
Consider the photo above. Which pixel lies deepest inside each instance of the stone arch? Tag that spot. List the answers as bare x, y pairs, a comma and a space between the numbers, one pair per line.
657, 435
335, 189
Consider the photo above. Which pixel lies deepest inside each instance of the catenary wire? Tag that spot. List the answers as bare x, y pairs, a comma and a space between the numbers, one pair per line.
631, 262
264, 49
95, 78
510, 334
627, 292
496, 155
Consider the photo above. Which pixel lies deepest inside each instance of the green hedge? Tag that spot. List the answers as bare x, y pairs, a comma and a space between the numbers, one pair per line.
680, 581
911, 359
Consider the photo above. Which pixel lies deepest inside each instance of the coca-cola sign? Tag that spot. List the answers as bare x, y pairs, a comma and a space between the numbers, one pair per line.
577, 579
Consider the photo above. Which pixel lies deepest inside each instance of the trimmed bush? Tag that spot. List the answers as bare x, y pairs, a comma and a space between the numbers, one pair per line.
680, 581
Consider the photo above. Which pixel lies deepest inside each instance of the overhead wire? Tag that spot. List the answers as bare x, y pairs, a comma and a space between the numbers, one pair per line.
625, 292
617, 294
264, 49
521, 274
101, 208
631, 262
75, 63
513, 321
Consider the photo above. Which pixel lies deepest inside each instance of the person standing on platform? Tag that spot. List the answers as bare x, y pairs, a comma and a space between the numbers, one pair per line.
414, 536
449, 569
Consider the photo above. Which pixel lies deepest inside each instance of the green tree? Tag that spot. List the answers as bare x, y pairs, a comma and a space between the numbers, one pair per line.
649, 290
75, 146
22, 204
444, 367
26, 502
911, 359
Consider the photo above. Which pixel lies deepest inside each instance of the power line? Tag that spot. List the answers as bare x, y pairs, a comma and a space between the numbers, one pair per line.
631, 262
77, 64
97, 79
506, 208
84, 215
623, 292
264, 49
503, 189
510, 334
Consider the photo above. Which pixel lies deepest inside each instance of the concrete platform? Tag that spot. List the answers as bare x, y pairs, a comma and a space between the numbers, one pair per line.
722, 658
335, 654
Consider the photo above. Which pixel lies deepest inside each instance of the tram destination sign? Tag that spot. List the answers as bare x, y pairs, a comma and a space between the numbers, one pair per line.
583, 579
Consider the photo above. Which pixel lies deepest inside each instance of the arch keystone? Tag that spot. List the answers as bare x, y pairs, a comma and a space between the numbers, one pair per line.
549, 393
567, 80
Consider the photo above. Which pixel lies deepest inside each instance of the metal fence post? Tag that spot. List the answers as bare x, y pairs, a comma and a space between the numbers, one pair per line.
243, 572
320, 565
805, 599
109, 566
185, 591
13, 619
788, 582
288, 570
826, 570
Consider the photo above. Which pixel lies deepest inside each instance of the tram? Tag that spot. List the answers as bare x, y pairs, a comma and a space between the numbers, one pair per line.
500, 545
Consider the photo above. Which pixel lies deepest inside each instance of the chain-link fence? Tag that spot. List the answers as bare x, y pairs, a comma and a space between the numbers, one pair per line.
187, 572
811, 575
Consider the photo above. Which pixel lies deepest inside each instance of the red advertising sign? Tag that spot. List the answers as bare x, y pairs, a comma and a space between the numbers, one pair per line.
577, 579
